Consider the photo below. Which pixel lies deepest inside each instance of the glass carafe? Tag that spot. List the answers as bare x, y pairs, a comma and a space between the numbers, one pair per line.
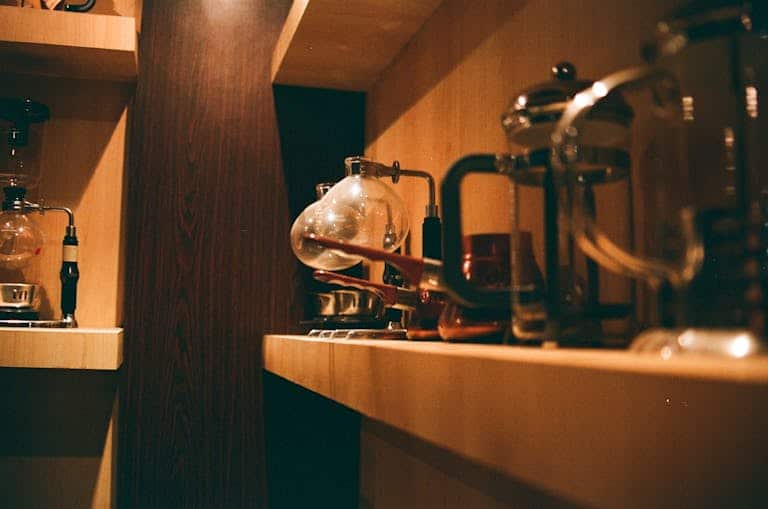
699, 155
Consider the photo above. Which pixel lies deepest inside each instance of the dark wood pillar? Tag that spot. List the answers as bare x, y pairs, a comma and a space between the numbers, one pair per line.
209, 268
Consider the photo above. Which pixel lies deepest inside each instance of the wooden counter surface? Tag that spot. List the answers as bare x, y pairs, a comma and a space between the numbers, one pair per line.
593, 427
79, 348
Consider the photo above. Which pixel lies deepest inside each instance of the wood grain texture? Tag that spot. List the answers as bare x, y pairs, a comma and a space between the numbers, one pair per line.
591, 428
61, 348
344, 45
443, 95
82, 167
208, 256
54, 43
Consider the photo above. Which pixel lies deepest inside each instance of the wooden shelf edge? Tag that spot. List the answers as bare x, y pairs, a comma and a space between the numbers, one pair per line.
290, 26
58, 28
71, 45
80, 348
583, 425
750, 371
306, 363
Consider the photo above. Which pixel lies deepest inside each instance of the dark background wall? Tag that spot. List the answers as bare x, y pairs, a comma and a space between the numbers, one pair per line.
208, 266
312, 448
318, 129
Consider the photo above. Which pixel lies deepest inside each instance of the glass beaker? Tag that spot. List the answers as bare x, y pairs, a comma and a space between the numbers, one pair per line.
21, 132
360, 210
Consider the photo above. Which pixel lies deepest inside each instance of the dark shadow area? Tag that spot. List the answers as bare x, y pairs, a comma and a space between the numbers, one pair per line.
312, 448
55, 412
54, 427
318, 128
472, 21
208, 268
508, 491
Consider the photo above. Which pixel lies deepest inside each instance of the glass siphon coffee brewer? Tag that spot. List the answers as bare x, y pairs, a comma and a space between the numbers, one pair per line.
21, 241
701, 156
567, 306
360, 209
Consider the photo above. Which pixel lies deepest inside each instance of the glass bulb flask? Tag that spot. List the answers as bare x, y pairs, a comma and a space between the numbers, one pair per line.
21, 240
360, 210
21, 129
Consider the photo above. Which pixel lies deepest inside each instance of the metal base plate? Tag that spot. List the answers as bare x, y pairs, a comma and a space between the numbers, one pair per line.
359, 333
37, 324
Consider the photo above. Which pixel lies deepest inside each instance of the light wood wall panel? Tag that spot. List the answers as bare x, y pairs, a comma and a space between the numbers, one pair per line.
444, 94
59, 425
82, 163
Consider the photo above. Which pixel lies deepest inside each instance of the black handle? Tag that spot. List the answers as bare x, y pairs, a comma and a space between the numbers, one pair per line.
431, 236
69, 277
459, 288
83, 7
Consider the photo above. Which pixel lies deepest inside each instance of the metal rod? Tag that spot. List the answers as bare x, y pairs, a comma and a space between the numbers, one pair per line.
41, 208
431, 210
551, 256
363, 166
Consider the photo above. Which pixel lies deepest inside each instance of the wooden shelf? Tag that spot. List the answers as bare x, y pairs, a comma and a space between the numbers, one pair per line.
597, 428
344, 45
65, 44
79, 348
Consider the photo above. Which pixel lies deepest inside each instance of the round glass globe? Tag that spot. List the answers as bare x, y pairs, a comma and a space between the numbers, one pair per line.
358, 210
382, 219
20, 240
319, 219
